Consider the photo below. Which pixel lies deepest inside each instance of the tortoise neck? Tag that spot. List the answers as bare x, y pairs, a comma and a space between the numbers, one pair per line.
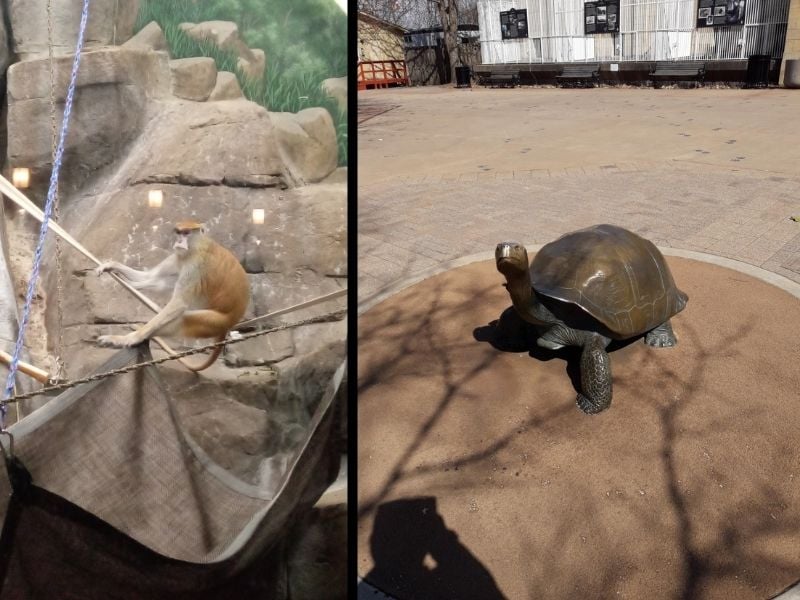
525, 301
519, 288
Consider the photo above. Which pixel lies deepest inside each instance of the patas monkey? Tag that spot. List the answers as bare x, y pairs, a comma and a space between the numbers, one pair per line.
210, 291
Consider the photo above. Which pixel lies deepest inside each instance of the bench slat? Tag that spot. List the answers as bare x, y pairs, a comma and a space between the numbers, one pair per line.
580, 70
499, 78
584, 72
678, 70
675, 72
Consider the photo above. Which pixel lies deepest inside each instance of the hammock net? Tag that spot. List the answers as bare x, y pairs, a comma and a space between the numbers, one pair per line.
124, 504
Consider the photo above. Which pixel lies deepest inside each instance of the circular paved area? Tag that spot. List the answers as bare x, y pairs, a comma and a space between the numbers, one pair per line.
445, 173
448, 173
478, 477
408, 226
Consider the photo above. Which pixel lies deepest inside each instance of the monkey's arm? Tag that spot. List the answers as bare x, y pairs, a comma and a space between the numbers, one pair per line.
161, 277
168, 315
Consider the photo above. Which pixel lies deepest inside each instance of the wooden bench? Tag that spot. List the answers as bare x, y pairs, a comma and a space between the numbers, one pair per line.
494, 79
677, 70
580, 74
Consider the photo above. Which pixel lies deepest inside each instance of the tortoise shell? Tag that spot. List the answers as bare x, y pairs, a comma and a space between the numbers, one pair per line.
619, 278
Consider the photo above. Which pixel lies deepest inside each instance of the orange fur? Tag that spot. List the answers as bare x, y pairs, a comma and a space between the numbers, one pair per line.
223, 284
209, 297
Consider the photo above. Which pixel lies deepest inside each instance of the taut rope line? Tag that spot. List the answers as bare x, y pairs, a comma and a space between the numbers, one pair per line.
16, 196
288, 309
7, 188
37, 258
61, 365
157, 361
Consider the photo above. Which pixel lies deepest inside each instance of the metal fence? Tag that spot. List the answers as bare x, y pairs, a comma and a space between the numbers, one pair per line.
649, 30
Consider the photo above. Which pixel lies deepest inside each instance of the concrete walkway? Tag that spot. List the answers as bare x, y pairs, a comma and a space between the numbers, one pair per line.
445, 173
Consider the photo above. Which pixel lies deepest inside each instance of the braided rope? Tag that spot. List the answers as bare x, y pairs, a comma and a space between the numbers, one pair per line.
157, 361
60, 363
37, 259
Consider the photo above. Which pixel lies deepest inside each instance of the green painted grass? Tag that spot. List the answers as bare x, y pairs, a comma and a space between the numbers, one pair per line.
281, 90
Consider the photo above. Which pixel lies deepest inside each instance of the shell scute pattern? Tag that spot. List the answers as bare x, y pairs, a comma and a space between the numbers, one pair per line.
616, 276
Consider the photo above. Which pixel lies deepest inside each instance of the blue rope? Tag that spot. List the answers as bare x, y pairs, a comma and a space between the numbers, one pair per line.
51, 194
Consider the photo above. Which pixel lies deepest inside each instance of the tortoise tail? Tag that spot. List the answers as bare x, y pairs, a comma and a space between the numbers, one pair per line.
680, 302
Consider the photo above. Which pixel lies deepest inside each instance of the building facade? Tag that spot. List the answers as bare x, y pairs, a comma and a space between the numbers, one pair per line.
378, 39
564, 31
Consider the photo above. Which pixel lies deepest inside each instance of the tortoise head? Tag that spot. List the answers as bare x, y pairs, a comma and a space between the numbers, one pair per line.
511, 259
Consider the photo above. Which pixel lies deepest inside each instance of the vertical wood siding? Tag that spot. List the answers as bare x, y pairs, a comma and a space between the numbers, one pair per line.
649, 30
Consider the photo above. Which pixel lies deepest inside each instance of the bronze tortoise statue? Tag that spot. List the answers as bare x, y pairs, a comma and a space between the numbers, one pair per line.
587, 288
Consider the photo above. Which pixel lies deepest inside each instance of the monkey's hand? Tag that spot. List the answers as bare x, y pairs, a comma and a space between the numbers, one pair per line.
119, 341
105, 267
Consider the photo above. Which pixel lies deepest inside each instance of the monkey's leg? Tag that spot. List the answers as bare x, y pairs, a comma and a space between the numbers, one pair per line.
164, 321
205, 324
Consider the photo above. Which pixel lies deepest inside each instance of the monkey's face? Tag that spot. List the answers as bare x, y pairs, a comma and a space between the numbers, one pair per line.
181, 245
185, 239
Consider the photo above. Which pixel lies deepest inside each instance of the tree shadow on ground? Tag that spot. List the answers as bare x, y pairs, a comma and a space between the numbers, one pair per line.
742, 553
703, 541
454, 378
399, 363
510, 333
416, 556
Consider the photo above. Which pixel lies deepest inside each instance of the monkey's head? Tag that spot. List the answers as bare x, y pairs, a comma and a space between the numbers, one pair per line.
188, 234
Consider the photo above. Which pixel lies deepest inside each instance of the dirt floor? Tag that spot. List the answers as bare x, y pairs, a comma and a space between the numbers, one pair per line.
479, 477
444, 131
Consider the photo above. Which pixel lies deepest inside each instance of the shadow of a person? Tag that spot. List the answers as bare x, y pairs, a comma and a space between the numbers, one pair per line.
417, 556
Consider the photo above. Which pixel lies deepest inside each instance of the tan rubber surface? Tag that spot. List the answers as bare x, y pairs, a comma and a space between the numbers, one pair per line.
479, 478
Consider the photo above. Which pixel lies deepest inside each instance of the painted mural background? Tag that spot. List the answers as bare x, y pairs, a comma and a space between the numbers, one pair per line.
305, 42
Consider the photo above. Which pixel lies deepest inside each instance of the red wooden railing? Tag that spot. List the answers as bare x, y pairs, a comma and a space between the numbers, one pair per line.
381, 74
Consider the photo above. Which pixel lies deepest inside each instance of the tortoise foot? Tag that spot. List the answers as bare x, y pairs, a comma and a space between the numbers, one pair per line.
589, 407
661, 337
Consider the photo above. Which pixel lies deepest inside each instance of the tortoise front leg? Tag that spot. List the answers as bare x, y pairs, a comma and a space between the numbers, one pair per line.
595, 395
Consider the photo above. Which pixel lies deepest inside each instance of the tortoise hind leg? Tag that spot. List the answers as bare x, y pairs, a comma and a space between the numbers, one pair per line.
661, 336
595, 395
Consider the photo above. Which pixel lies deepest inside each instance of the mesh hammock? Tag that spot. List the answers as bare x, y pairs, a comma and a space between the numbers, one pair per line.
112, 499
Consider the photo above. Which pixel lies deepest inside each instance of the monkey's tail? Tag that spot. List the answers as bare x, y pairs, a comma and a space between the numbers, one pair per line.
210, 361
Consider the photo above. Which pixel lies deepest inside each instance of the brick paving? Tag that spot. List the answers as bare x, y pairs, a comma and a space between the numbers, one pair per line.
445, 174
410, 220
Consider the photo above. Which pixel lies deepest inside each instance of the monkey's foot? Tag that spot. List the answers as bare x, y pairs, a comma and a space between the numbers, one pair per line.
118, 341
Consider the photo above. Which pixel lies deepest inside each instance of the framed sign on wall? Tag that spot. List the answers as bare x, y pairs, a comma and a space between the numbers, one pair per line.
514, 24
716, 13
601, 16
